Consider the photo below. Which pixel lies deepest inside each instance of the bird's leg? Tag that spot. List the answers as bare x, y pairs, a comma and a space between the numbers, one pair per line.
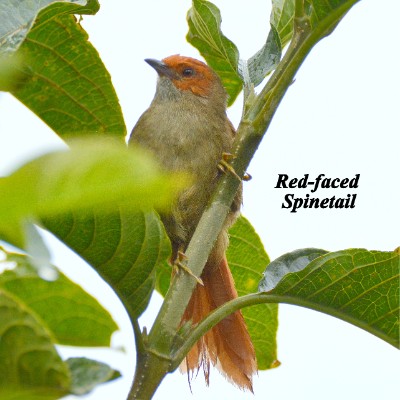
225, 167
180, 264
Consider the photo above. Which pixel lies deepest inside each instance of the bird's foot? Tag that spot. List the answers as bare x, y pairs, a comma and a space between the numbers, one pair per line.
225, 167
180, 265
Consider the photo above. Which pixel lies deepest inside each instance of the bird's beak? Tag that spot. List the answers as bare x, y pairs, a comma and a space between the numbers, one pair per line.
161, 68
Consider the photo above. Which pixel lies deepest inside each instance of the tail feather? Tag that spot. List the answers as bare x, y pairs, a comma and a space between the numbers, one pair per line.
228, 345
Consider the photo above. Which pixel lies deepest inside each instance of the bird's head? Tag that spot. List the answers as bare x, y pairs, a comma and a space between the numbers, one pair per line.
186, 75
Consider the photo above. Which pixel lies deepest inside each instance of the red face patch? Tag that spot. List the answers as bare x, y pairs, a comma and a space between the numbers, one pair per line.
192, 74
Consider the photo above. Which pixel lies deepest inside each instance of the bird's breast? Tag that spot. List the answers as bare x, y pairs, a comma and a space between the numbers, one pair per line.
183, 138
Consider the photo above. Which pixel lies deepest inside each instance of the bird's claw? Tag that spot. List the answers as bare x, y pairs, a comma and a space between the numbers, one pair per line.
247, 177
225, 167
180, 264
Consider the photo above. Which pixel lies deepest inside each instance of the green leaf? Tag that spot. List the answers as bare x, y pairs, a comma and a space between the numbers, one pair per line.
320, 12
71, 315
323, 16
291, 262
264, 61
17, 17
221, 54
163, 278
247, 260
65, 81
123, 247
356, 285
10, 72
30, 367
87, 374
13, 234
94, 173
282, 19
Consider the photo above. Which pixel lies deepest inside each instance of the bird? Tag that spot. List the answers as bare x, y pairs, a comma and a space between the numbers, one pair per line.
187, 129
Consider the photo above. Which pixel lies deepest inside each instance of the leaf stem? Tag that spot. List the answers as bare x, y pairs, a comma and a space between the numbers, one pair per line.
140, 348
268, 297
150, 371
299, 9
216, 316
167, 323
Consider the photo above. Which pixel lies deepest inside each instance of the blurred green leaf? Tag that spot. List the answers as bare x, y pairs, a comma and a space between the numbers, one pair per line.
247, 260
36, 247
94, 173
221, 54
64, 80
123, 247
87, 374
17, 17
71, 315
105, 185
356, 285
30, 367
10, 72
13, 233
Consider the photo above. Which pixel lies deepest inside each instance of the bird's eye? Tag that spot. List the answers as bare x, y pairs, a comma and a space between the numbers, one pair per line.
187, 72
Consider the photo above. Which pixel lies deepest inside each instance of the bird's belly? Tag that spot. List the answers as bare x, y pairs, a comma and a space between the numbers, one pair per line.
200, 162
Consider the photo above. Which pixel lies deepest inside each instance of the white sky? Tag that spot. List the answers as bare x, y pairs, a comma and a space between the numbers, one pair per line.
340, 117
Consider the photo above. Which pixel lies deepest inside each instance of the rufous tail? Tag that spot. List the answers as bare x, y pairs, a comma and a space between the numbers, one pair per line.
228, 345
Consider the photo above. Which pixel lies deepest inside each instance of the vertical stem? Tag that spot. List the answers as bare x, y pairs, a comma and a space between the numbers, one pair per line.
168, 320
150, 371
299, 8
